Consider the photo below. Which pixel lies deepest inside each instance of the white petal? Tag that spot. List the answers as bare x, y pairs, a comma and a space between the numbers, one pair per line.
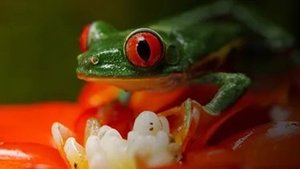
147, 123
162, 139
103, 130
113, 143
112, 133
164, 123
143, 146
75, 154
60, 134
91, 128
98, 162
95, 154
160, 159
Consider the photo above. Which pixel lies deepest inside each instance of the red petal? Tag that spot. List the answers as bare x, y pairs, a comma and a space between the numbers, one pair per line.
29, 155
32, 123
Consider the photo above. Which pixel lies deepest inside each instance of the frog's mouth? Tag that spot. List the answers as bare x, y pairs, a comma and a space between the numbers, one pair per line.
145, 83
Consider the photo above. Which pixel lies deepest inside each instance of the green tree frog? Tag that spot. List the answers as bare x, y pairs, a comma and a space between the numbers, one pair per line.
180, 50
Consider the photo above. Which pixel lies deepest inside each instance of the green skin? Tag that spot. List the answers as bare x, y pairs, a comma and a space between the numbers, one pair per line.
188, 38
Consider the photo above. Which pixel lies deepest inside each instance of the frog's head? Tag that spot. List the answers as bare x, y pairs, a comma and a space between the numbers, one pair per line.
134, 59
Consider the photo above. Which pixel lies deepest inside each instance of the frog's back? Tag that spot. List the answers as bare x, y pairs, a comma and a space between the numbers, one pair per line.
207, 29
193, 17
201, 31
227, 11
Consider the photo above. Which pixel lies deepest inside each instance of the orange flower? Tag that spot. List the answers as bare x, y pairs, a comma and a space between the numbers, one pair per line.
240, 137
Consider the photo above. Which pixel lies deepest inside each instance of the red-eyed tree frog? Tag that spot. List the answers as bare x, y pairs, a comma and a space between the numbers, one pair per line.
180, 50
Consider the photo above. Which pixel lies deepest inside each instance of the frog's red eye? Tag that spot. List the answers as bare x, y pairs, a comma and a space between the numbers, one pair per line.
144, 48
84, 38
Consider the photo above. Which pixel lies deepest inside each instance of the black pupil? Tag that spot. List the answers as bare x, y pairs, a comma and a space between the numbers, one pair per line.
143, 50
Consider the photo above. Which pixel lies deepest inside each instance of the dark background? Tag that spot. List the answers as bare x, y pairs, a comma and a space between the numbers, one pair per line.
39, 38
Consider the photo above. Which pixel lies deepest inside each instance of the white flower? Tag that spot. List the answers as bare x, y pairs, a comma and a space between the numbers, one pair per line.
149, 141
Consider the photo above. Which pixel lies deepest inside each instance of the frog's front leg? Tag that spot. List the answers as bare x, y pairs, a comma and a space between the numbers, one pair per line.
231, 87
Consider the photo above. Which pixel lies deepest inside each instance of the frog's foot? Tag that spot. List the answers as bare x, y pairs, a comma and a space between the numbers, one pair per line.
150, 143
231, 87
186, 121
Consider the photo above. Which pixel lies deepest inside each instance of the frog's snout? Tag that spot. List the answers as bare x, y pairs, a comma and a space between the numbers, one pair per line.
86, 64
80, 59
84, 61
79, 56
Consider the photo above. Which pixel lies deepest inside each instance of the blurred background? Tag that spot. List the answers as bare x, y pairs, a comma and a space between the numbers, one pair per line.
39, 38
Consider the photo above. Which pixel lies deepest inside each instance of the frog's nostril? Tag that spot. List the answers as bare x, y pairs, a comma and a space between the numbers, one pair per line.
94, 60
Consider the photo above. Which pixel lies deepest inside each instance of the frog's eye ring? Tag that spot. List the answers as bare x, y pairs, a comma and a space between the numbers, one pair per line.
144, 48
84, 38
